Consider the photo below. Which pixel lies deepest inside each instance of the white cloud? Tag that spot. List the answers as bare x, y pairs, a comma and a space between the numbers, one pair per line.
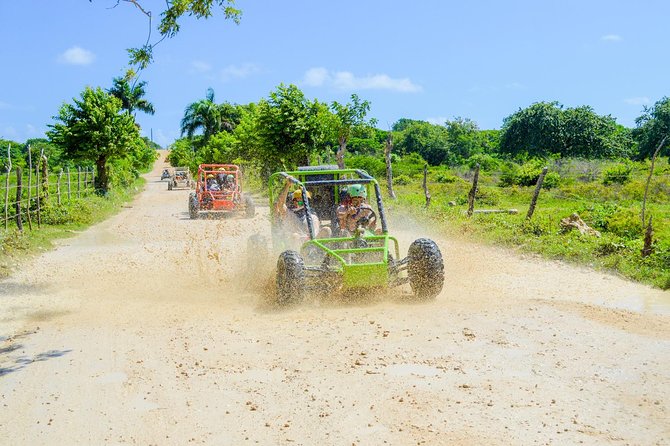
239, 71
76, 56
201, 67
611, 38
345, 80
640, 100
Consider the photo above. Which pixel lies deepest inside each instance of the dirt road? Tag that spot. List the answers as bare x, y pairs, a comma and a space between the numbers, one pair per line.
147, 330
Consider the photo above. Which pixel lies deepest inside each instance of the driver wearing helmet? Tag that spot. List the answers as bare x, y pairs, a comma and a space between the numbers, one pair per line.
221, 176
355, 210
294, 218
212, 184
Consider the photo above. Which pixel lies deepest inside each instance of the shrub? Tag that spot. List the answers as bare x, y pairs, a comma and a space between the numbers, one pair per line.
445, 178
617, 174
486, 162
373, 166
402, 179
624, 223
488, 196
551, 180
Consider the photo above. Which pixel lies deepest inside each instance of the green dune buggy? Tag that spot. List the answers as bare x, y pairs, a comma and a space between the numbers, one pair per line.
348, 261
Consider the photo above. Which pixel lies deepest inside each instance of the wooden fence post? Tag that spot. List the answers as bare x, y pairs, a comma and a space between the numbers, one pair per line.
78, 181
19, 193
473, 192
9, 169
651, 172
538, 186
388, 147
30, 186
60, 175
38, 191
425, 185
648, 238
69, 188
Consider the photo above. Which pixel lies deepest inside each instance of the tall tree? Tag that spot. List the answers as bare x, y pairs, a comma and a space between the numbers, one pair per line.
94, 129
652, 126
131, 96
350, 116
205, 115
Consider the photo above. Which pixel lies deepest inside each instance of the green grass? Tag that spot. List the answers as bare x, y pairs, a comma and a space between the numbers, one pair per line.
613, 210
59, 222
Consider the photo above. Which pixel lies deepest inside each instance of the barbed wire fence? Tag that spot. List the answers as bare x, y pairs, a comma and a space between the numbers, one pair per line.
27, 192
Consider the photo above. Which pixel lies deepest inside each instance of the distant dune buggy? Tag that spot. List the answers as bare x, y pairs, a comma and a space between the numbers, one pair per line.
219, 190
362, 260
180, 178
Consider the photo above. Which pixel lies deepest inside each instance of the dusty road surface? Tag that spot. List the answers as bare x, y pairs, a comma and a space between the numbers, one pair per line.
147, 329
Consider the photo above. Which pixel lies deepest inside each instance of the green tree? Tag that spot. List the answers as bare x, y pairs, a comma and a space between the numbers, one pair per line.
533, 131
652, 126
586, 134
95, 129
131, 96
463, 139
209, 117
428, 140
287, 128
350, 117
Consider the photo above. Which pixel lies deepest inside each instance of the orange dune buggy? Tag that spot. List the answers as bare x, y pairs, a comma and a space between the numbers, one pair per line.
218, 190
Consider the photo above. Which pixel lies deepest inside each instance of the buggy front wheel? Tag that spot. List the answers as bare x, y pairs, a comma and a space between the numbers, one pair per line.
290, 278
425, 269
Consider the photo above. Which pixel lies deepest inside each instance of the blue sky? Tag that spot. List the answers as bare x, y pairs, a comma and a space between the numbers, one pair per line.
432, 60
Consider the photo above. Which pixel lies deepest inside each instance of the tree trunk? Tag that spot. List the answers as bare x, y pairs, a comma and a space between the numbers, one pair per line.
101, 179
388, 147
425, 185
538, 186
340, 152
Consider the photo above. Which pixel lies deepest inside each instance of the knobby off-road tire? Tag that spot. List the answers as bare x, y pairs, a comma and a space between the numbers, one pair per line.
193, 206
290, 278
249, 206
170, 185
425, 269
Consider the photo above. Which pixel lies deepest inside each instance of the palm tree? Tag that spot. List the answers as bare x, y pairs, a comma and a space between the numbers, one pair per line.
209, 117
131, 96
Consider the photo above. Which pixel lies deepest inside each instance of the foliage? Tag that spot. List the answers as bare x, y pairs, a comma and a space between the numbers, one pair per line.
427, 140
206, 116
617, 174
131, 96
402, 179
94, 129
486, 162
544, 128
372, 165
652, 126
169, 27
410, 165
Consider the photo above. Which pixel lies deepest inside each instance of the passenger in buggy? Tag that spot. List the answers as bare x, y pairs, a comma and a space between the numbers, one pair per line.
354, 211
294, 217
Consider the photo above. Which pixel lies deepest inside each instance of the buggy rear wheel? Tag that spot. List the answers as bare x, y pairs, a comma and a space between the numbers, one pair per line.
425, 269
170, 185
193, 206
290, 278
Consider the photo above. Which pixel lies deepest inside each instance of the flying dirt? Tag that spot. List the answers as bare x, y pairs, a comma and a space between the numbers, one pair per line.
153, 328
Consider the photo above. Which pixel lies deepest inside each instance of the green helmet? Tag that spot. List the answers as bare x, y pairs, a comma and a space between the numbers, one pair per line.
357, 190
230, 177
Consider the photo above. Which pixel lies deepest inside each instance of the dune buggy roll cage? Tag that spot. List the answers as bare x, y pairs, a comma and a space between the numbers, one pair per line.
363, 178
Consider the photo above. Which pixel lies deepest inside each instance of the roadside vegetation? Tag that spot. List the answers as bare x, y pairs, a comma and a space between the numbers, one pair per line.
597, 169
